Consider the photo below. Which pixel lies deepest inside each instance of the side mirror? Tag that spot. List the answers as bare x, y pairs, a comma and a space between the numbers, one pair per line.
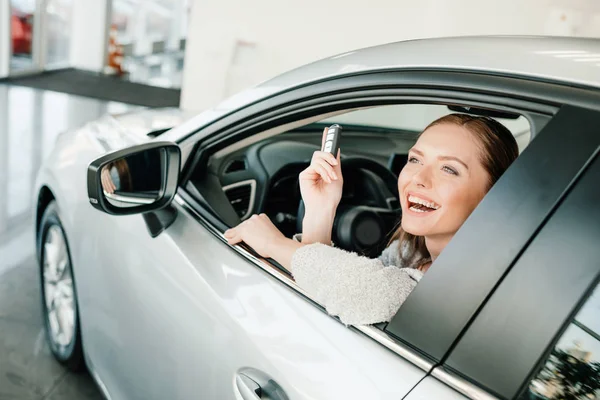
135, 180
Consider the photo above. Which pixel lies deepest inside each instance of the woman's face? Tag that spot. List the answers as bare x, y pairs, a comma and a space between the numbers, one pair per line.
442, 182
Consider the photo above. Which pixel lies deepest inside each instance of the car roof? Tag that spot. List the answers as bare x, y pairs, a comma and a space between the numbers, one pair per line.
571, 61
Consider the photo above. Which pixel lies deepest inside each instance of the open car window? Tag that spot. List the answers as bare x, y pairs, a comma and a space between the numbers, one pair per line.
262, 175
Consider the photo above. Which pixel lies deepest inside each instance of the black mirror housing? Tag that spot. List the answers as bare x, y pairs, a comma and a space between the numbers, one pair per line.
135, 180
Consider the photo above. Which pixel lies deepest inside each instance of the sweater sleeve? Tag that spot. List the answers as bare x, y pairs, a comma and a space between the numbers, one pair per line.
358, 289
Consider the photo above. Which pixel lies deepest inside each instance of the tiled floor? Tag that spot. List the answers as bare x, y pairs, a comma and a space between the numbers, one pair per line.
30, 119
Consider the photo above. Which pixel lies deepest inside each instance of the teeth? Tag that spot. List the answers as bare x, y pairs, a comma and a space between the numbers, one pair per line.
414, 199
417, 210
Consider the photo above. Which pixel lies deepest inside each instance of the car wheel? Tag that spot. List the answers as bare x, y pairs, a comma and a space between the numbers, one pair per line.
59, 296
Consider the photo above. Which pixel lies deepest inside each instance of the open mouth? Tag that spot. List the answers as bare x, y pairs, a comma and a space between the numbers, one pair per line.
419, 205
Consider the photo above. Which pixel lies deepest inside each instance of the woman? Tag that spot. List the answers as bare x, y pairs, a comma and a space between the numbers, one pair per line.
453, 164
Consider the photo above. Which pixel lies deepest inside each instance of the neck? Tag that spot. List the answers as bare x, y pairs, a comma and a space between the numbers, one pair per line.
435, 245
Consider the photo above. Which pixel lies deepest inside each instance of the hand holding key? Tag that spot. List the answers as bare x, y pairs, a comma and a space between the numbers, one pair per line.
322, 182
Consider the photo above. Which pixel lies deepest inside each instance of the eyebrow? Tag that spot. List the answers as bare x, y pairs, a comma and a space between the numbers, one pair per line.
452, 158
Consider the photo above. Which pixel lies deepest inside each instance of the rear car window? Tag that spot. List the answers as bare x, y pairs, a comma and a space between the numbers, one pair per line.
572, 370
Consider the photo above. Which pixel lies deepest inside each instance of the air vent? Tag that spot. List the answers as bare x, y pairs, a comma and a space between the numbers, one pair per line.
235, 165
241, 196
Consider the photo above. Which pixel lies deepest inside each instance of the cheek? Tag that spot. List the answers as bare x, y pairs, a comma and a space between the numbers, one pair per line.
460, 199
403, 179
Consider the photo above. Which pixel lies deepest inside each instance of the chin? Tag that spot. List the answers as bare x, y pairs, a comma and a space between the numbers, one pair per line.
414, 229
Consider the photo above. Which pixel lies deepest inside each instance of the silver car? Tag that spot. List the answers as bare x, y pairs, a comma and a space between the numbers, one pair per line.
140, 286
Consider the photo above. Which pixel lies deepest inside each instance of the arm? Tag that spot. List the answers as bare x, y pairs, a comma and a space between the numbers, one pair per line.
317, 225
358, 289
321, 185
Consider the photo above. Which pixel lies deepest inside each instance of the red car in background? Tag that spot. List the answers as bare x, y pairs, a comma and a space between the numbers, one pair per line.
21, 27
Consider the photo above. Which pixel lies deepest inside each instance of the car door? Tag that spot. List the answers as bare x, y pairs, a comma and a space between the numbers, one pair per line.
188, 316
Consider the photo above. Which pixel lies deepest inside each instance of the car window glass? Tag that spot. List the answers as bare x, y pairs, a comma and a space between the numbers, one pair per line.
572, 371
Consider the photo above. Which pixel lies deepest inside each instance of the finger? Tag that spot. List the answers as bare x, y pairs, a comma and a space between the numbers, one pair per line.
234, 240
327, 167
229, 232
233, 236
323, 155
309, 174
322, 172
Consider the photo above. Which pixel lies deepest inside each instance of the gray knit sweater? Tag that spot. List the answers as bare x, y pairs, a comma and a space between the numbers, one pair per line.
358, 289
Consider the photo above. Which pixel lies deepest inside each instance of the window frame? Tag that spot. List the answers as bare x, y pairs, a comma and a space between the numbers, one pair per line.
526, 97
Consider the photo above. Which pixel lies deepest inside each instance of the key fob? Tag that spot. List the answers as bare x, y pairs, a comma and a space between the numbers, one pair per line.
332, 140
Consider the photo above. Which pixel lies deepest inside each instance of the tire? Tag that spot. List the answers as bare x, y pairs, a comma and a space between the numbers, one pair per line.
60, 311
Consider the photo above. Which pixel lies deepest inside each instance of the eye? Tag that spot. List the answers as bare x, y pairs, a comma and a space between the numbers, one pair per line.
449, 170
413, 160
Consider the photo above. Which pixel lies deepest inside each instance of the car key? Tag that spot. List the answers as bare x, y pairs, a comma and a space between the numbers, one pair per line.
332, 139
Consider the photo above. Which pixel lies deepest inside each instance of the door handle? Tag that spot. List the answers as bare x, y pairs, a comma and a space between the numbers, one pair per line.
253, 384
249, 389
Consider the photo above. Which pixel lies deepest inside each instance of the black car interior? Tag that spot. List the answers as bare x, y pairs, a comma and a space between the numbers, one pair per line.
263, 178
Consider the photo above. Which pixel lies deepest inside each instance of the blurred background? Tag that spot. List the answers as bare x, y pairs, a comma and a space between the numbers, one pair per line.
66, 62
204, 51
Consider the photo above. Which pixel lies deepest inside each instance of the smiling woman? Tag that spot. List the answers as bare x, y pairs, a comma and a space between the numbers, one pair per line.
455, 161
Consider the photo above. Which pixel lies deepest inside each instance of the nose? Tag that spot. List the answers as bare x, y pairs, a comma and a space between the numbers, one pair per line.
422, 177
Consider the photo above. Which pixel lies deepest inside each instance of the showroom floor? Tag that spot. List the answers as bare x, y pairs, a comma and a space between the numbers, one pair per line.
30, 120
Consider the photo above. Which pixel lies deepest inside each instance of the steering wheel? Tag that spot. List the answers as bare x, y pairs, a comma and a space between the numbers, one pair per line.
361, 228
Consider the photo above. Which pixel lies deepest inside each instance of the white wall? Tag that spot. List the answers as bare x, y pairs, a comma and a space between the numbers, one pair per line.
89, 34
234, 44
